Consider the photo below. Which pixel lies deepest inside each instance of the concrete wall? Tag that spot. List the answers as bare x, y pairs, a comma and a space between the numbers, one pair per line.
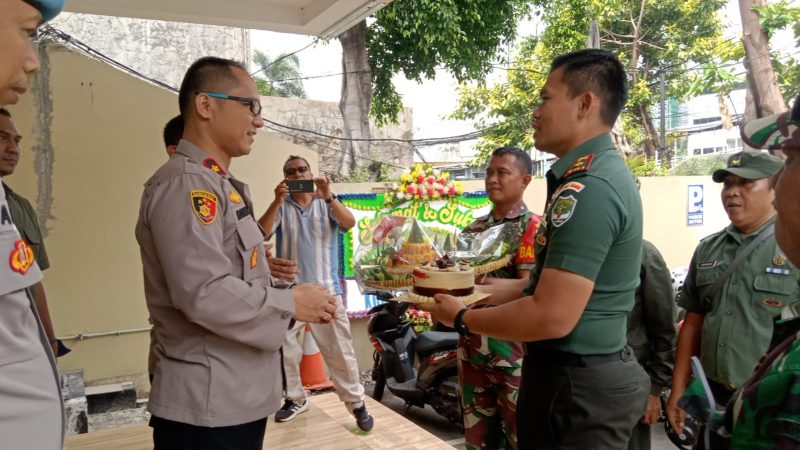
325, 118
158, 49
86, 154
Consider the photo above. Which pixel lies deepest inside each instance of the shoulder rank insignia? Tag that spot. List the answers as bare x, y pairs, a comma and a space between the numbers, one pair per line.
562, 211
214, 166
204, 205
235, 197
580, 165
21, 258
254, 258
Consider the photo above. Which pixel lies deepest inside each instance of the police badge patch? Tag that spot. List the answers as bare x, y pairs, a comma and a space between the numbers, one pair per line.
21, 258
563, 209
204, 205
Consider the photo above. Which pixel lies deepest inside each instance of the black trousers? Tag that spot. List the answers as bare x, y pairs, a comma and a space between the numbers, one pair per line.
596, 407
171, 435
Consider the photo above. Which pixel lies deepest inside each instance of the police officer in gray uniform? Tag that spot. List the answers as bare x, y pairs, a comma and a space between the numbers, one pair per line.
218, 321
31, 412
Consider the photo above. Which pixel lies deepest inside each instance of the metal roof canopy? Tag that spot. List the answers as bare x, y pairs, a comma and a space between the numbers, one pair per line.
324, 18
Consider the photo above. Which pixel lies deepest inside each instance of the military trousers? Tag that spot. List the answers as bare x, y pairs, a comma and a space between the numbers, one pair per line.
335, 342
563, 406
171, 435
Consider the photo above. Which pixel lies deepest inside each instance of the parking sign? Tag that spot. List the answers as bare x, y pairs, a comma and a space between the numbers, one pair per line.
694, 212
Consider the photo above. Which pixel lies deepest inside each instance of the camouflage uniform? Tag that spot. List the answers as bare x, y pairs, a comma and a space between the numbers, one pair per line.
489, 369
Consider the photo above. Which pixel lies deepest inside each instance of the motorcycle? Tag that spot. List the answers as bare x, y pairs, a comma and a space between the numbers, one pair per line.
434, 381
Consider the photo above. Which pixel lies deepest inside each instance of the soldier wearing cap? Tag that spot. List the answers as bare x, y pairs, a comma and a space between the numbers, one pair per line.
764, 413
31, 413
730, 312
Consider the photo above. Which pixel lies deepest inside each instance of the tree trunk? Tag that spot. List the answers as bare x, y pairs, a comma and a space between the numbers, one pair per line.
762, 84
356, 99
652, 137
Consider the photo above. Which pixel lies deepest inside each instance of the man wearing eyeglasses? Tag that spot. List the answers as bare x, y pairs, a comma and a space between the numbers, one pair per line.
307, 226
31, 412
218, 322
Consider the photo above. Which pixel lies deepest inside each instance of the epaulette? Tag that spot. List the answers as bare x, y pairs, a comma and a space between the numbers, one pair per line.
580, 165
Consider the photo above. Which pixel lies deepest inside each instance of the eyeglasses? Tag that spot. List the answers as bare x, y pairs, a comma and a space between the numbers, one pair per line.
293, 170
253, 103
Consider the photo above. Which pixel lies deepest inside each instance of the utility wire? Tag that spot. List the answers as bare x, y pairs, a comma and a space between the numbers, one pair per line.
282, 57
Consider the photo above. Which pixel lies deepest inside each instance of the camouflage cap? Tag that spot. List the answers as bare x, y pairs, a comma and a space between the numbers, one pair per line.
776, 131
749, 164
48, 8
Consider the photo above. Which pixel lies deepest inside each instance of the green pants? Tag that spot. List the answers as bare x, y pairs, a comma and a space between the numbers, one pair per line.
594, 407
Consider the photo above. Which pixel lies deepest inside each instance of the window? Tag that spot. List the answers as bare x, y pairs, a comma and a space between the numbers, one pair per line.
735, 145
696, 151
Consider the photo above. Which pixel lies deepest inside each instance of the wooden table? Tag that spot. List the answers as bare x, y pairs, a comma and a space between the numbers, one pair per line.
325, 426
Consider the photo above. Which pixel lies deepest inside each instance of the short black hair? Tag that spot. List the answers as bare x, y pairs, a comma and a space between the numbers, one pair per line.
292, 158
522, 157
598, 71
173, 131
209, 73
5, 112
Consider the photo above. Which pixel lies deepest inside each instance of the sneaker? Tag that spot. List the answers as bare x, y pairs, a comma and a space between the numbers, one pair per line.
363, 419
290, 410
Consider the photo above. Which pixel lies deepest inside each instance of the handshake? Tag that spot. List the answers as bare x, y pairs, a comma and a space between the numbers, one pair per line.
312, 302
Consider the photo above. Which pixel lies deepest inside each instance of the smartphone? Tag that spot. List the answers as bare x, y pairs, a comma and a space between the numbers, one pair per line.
300, 185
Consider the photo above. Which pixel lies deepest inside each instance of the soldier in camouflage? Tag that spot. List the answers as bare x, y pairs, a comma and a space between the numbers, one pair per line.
489, 369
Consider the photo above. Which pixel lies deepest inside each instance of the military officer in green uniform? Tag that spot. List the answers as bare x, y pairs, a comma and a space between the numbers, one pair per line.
730, 313
581, 384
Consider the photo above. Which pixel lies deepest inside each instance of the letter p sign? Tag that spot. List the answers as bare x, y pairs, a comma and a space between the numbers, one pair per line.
694, 211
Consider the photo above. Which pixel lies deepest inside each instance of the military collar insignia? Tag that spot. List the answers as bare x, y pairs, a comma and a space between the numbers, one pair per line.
541, 239
204, 205
214, 166
21, 258
235, 197
580, 165
779, 260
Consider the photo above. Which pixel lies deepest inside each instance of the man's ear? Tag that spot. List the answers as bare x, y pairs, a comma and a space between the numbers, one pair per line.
526, 179
586, 102
202, 106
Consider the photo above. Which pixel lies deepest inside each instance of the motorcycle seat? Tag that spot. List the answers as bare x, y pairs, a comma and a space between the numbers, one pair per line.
431, 341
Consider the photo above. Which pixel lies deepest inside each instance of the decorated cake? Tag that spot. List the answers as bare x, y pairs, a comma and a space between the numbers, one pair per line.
444, 276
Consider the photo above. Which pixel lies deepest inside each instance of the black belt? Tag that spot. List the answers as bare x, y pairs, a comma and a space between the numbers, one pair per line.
566, 359
721, 386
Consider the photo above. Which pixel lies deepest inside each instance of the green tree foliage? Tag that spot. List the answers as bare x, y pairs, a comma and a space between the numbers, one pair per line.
700, 165
280, 77
415, 37
648, 36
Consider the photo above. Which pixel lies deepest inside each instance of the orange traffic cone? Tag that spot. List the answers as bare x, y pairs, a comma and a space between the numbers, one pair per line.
312, 368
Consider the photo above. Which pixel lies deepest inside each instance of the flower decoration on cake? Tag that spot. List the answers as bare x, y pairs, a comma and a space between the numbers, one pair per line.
423, 183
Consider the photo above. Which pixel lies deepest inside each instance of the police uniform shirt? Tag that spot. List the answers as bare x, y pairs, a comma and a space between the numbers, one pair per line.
737, 324
592, 226
218, 322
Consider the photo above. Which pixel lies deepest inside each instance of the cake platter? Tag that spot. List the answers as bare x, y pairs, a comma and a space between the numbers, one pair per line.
410, 297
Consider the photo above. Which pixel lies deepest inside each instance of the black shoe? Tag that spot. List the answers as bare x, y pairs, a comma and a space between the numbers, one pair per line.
290, 410
363, 419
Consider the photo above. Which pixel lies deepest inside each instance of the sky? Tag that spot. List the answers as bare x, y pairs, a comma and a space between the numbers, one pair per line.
431, 100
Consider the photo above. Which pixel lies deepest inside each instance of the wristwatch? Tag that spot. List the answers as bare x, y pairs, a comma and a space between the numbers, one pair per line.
331, 198
458, 323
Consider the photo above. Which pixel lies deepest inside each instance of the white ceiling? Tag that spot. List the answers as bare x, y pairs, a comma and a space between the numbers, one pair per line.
326, 18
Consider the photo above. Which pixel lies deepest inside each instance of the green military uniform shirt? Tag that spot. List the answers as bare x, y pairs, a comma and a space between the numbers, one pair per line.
737, 326
592, 226
651, 323
28, 225
484, 350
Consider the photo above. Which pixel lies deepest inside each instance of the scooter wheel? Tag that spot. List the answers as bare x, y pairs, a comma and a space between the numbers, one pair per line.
380, 380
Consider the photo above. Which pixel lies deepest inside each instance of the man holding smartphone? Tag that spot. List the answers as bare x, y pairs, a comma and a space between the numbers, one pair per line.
306, 218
